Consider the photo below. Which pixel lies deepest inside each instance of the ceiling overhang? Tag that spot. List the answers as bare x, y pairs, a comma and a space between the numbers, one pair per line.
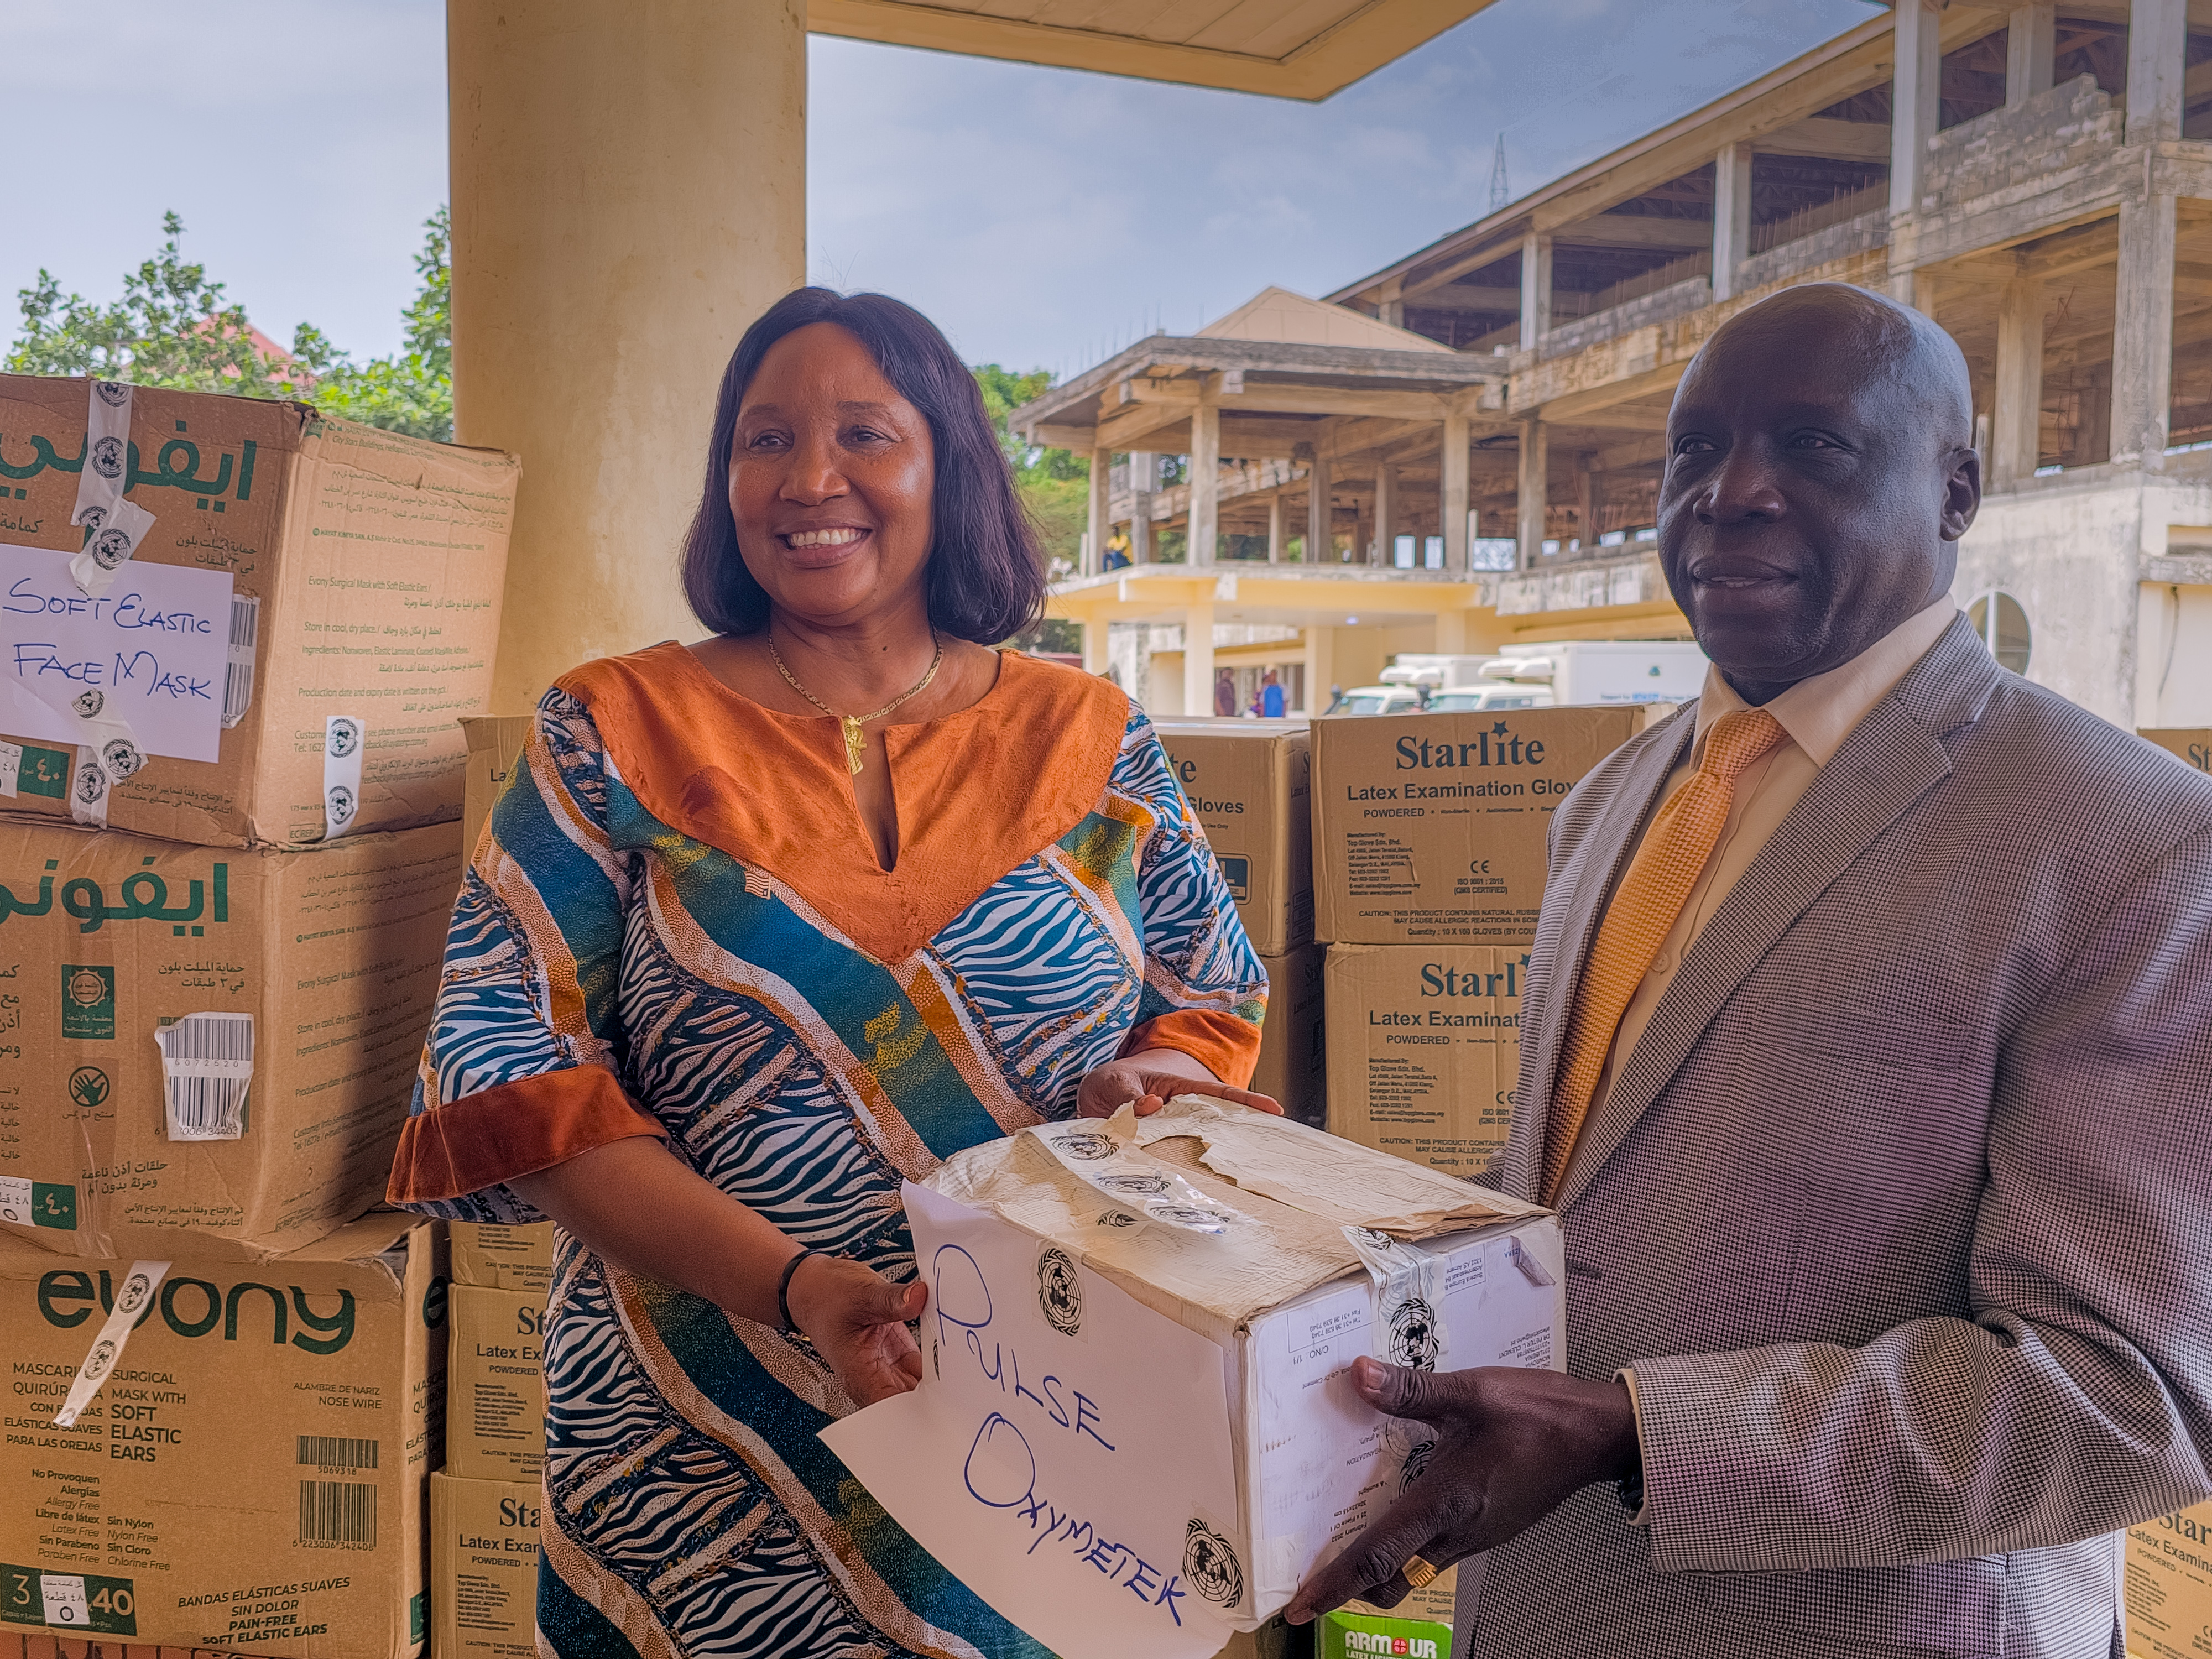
1282, 48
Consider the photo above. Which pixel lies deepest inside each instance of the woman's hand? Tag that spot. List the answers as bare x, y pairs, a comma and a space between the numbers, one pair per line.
857, 1321
1149, 1077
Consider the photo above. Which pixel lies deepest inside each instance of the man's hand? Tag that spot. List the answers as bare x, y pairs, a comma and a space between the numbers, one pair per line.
1512, 1446
1149, 1078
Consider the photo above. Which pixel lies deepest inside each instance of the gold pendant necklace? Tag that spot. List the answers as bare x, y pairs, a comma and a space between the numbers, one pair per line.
855, 744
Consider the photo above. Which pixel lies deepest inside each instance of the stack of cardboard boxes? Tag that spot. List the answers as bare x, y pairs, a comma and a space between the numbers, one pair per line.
485, 1502
1249, 783
229, 780
1429, 856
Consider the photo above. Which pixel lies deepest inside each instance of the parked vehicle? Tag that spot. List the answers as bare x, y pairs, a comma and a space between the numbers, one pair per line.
1473, 700
1566, 670
1378, 700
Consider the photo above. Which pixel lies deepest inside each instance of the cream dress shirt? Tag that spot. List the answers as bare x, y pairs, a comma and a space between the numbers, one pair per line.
1817, 714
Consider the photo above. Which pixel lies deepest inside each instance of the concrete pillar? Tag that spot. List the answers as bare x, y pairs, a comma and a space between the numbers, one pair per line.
1198, 659
1094, 647
1535, 490
1143, 481
1535, 289
1321, 665
580, 135
1094, 553
1587, 494
2015, 422
2158, 32
1386, 514
1451, 633
1275, 528
1451, 494
2143, 327
1915, 108
1321, 533
1731, 216
1205, 478
2031, 43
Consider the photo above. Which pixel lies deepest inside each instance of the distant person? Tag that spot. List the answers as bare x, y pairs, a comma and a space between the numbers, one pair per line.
1116, 556
1866, 1053
715, 987
1224, 692
1271, 697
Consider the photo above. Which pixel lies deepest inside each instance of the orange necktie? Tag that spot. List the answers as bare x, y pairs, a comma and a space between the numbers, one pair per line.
1683, 834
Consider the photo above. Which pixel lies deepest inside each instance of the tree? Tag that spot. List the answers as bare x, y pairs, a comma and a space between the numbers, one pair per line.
412, 390
173, 327
1053, 485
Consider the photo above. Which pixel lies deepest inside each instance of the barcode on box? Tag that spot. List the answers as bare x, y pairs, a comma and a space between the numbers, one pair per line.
330, 1453
238, 676
338, 1512
207, 1069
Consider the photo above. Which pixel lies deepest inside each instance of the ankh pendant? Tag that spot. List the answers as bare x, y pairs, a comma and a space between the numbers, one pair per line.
856, 745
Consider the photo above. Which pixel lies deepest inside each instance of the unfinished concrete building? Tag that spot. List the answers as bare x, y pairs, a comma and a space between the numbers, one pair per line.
2038, 178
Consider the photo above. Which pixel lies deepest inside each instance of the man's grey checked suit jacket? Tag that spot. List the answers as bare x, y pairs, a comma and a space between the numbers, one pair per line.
1901, 1210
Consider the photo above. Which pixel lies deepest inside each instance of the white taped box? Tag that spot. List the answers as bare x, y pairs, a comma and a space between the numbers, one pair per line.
251, 1474
346, 570
207, 1051
1034, 1460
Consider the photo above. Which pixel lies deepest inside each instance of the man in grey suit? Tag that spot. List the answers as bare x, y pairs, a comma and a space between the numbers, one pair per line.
1866, 1053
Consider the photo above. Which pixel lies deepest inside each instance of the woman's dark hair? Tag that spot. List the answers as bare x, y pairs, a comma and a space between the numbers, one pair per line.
987, 580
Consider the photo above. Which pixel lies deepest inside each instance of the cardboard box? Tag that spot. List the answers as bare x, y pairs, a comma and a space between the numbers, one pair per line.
333, 952
2169, 1586
1294, 1066
1065, 1306
1425, 1050
1433, 827
502, 1258
1431, 1604
252, 1472
365, 571
2192, 744
483, 1568
1249, 782
496, 743
495, 1386
1351, 1633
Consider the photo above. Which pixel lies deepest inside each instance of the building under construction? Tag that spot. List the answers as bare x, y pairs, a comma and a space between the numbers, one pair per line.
1462, 450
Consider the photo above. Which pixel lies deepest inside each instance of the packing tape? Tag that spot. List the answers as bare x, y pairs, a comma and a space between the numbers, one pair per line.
114, 534
100, 479
1409, 1285
344, 736
107, 750
1088, 1148
113, 527
131, 1302
1409, 1331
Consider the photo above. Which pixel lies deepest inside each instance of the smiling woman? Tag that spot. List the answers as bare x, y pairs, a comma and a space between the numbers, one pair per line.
763, 926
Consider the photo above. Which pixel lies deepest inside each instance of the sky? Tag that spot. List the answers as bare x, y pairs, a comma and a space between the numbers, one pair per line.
1044, 217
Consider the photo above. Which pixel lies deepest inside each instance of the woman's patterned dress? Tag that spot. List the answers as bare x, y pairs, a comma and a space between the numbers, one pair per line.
675, 924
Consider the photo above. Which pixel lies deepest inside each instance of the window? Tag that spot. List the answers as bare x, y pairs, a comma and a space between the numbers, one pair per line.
2003, 624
